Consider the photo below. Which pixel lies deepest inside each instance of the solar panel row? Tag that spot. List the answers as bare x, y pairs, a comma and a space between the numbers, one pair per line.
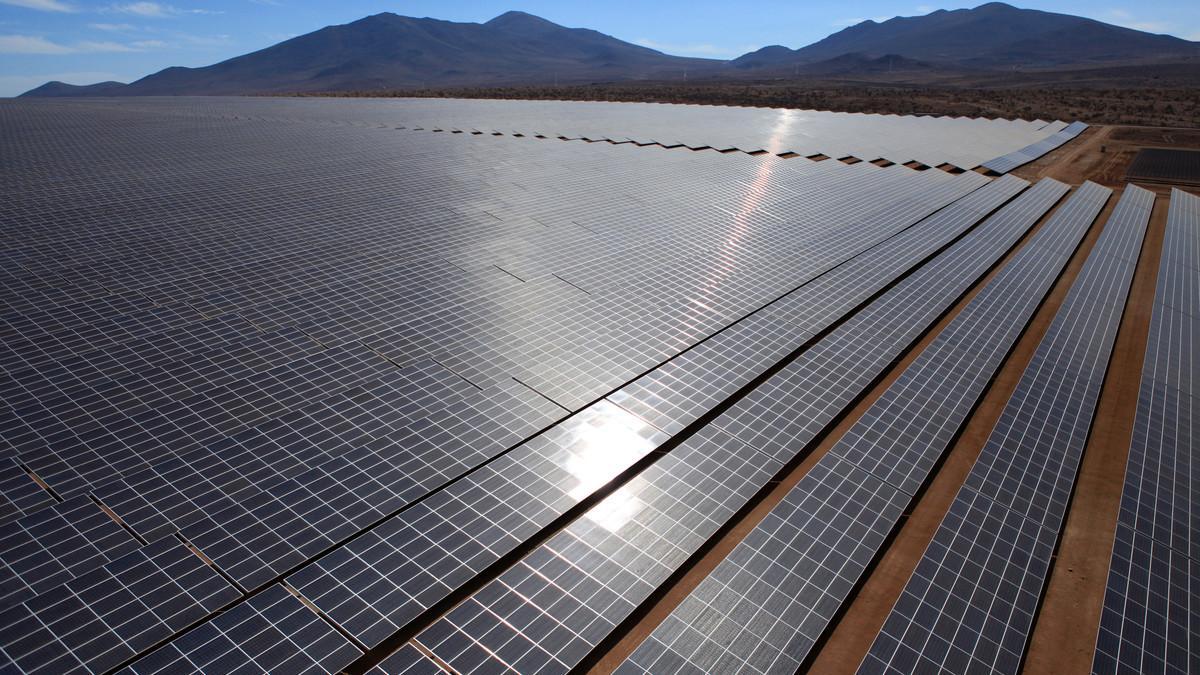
683, 389
971, 601
791, 409
771, 600
1150, 605
1165, 165
1017, 158
503, 618
933, 141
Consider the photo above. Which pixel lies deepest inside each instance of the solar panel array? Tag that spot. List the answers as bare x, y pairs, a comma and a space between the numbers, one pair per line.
933, 141
1166, 166
1018, 158
1149, 620
767, 604
252, 421
971, 601
657, 511
301, 386
322, 583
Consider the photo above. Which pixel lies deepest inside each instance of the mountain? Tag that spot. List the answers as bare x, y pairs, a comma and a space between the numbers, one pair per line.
391, 52
854, 63
990, 36
857, 63
55, 88
387, 51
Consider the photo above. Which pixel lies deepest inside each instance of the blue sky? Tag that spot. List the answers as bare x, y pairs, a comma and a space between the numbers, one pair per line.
84, 41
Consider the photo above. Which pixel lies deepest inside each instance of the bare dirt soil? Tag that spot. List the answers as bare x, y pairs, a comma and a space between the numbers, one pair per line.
1102, 154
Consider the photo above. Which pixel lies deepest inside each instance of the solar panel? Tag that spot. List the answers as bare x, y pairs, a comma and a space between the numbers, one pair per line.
1157, 498
134, 437
970, 604
367, 478
270, 632
550, 610
894, 443
964, 355
933, 141
242, 556
251, 499
383, 579
1150, 606
1165, 165
155, 504
479, 613
830, 375
406, 661
1018, 158
681, 390
971, 601
1029, 463
532, 651
48, 548
19, 494
768, 602
96, 621
1145, 624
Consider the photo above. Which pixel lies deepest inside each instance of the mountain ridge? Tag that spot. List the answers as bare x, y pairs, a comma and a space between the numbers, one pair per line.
387, 51
989, 37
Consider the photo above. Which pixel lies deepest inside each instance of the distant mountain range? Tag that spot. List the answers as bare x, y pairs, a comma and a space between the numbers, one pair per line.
989, 37
391, 52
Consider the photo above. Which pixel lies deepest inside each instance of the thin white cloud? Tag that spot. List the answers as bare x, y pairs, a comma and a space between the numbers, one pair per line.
102, 47
148, 9
156, 10
35, 44
30, 44
703, 49
112, 27
203, 40
43, 5
148, 44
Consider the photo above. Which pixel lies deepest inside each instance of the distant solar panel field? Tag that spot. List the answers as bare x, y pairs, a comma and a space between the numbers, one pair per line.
409, 386
1166, 166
